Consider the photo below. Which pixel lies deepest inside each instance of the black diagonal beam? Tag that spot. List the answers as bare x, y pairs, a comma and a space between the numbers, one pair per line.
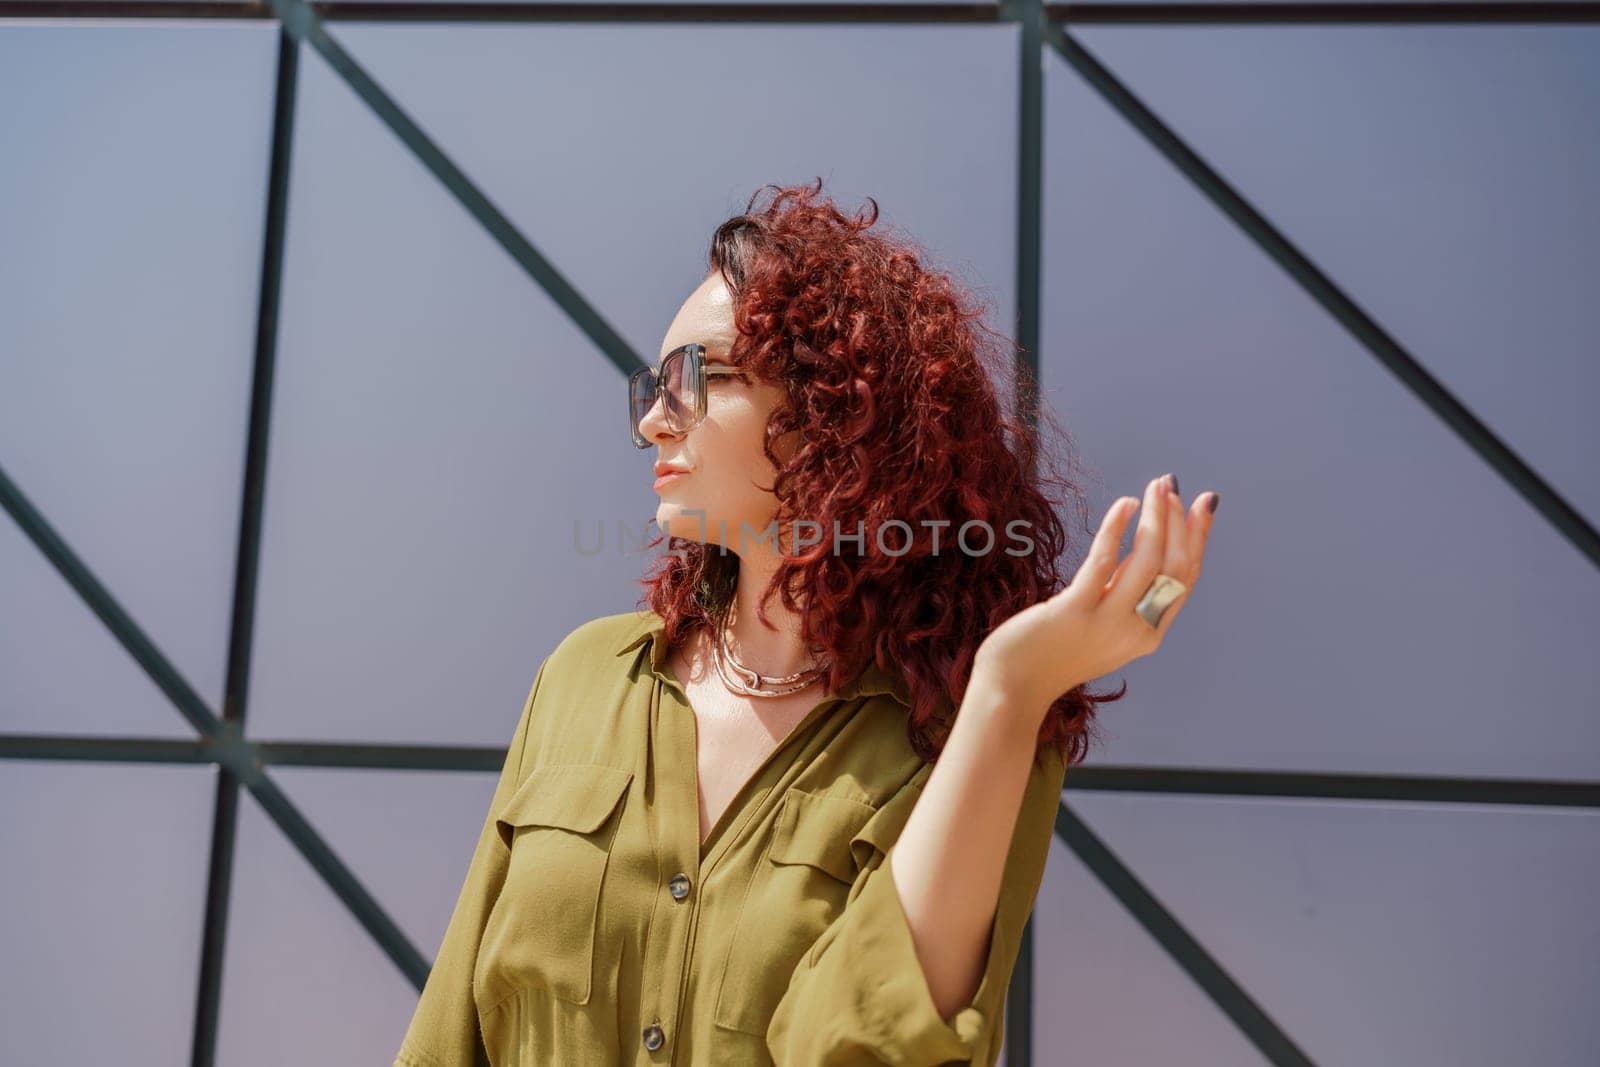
302, 22
105, 607
247, 559
1218, 984
1522, 478
230, 750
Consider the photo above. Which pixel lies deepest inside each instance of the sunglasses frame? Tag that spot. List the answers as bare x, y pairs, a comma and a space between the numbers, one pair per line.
701, 372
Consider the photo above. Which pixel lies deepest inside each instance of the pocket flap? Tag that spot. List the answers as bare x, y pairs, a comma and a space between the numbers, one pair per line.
573, 796
816, 829
883, 829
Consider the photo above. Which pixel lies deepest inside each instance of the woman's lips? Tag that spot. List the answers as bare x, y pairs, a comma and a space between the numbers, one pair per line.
670, 476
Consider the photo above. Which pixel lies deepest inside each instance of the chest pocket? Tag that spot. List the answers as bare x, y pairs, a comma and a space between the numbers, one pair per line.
559, 827
798, 888
883, 829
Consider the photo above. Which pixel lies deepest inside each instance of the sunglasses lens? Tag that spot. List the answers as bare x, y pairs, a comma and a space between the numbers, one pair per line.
678, 391
641, 398
675, 384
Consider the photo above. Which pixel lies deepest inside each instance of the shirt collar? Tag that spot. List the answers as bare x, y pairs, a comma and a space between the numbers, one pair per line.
649, 626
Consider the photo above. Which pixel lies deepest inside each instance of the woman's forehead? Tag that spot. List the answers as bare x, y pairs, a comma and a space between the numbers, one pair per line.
705, 318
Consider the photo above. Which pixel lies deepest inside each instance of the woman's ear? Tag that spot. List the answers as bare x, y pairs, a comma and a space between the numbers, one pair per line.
785, 445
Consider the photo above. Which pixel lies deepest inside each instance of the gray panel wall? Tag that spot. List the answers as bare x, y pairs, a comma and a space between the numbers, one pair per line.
1376, 600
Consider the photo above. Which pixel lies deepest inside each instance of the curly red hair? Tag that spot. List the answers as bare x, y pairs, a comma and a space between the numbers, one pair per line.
890, 377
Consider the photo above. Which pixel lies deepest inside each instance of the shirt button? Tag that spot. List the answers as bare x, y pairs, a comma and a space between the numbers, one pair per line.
679, 886
653, 1037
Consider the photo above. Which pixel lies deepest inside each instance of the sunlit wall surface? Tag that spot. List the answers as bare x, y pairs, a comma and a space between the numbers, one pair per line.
295, 443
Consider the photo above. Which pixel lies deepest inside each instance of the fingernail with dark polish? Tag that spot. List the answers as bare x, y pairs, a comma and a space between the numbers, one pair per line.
1172, 480
1216, 498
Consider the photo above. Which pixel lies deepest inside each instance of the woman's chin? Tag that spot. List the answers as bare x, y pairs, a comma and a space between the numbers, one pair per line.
678, 520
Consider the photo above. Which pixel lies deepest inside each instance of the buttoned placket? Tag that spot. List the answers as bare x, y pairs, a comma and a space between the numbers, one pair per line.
674, 753
674, 760
676, 913
675, 742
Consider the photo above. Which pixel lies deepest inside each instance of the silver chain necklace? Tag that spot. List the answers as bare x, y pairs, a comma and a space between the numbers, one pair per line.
753, 683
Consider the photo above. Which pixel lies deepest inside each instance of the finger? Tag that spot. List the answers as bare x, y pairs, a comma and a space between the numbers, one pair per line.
1117, 577
1151, 505
1122, 566
1102, 558
1184, 529
1149, 546
1175, 561
1201, 518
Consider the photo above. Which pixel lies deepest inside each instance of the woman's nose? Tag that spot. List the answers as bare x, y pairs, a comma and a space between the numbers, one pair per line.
653, 426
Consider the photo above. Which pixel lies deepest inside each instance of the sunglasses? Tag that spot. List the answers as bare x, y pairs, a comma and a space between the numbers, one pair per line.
681, 386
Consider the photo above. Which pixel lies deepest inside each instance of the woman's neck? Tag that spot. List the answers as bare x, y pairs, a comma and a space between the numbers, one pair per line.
775, 653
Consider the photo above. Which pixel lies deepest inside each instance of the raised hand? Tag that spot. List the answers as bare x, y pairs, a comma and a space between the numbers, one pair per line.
1091, 627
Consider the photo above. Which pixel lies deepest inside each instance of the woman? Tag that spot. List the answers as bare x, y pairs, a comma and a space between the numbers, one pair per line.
747, 824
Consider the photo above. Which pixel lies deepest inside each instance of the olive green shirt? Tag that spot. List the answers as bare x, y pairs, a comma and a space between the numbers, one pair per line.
594, 929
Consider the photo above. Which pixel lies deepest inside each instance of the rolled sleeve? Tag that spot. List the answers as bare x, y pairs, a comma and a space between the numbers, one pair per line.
444, 1029
860, 994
